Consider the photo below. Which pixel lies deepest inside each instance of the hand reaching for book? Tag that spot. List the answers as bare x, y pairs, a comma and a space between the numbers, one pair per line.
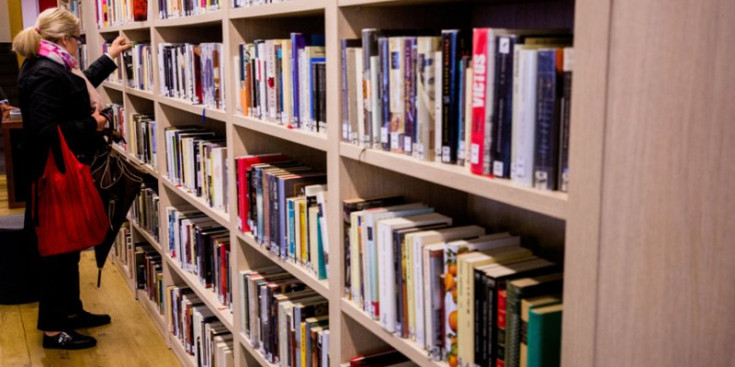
101, 120
119, 45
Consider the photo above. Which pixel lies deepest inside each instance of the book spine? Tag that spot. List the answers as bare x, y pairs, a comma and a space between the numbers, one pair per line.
384, 56
398, 92
425, 84
566, 112
344, 91
501, 316
370, 51
547, 123
524, 114
409, 62
503, 106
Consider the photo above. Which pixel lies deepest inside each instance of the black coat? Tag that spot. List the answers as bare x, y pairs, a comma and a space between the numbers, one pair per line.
51, 96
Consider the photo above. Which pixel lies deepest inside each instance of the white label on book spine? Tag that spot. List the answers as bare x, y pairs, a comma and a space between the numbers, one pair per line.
498, 168
394, 140
345, 131
474, 153
446, 154
384, 135
407, 144
419, 151
504, 45
460, 151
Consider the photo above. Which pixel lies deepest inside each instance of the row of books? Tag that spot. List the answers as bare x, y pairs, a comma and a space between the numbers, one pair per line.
196, 160
125, 249
117, 121
202, 247
284, 320
284, 81
118, 12
168, 9
382, 358
139, 131
192, 72
283, 204
200, 332
145, 210
408, 269
496, 102
149, 274
75, 7
138, 63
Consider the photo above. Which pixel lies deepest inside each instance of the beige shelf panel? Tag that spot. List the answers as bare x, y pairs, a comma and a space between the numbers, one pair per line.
148, 237
220, 217
290, 8
186, 359
320, 286
553, 204
115, 86
207, 18
140, 93
152, 309
181, 104
405, 346
243, 340
306, 138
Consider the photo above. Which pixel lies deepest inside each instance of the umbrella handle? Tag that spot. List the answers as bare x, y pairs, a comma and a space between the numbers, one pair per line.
99, 277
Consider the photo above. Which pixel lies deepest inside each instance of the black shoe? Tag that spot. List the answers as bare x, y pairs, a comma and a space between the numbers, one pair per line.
86, 320
68, 340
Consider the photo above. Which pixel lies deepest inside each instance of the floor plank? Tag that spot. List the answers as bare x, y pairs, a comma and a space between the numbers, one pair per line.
131, 339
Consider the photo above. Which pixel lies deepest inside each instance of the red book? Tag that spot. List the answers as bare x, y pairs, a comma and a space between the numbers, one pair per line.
482, 84
244, 165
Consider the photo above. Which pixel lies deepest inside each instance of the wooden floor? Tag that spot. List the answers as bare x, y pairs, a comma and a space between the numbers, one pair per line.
131, 339
4, 198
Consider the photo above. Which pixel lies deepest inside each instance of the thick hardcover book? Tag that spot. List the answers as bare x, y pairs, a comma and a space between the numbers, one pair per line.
369, 62
425, 111
517, 290
524, 115
453, 48
546, 159
347, 66
502, 105
544, 336
566, 112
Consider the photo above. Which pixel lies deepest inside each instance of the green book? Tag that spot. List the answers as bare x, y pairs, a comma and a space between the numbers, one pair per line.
544, 336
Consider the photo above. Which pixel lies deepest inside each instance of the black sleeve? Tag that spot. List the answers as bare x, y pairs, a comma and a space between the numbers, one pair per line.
2, 94
100, 70
45, 107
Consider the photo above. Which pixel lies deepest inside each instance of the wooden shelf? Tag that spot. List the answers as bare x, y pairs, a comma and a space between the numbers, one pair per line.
192, 20
284, 9
132, 26
243, 340
110, 29
553, 204
209, 298
140, 93
148, 237
200, 110
343, 3
152, 309
186, 359
111, 85
217, 215
320, 286
306, 138
145, 167
405, 346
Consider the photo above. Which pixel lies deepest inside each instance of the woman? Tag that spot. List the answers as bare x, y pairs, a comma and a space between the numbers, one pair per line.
52, 96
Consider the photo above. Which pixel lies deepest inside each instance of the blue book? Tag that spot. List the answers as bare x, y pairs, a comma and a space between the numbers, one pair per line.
548, 98
298, 43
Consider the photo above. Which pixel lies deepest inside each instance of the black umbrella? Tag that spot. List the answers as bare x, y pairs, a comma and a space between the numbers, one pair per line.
118, 182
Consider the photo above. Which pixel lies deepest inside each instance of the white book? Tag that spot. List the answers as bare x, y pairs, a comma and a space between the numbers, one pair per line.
386, 269
359, 97
524, 115
425, 94
262, 81
270, 74
369, 232
287, 80
397, 92
375, 102
438, 105
358, 260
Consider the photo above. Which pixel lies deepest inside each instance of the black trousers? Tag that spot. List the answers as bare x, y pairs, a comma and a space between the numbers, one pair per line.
59, 283
59, 291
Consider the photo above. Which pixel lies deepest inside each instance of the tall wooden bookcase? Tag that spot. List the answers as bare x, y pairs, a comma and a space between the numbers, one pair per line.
646, 231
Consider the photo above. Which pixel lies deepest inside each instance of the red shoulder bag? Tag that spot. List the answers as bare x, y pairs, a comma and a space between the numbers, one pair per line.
68, 211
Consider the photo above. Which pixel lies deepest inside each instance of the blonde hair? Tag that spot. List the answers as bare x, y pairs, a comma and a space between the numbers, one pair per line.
52, 25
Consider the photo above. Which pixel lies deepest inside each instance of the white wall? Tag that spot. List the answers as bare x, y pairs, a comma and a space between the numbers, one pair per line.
4, 22
30, 13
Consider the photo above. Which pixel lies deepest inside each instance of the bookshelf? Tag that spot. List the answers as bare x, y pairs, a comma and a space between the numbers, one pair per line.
620, 229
